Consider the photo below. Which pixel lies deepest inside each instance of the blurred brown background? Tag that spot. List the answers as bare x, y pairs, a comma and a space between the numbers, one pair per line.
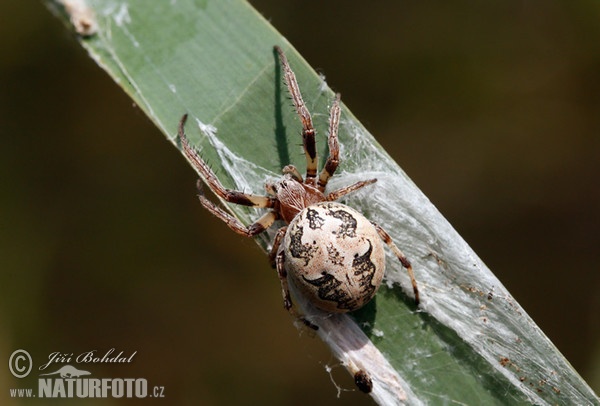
493, 109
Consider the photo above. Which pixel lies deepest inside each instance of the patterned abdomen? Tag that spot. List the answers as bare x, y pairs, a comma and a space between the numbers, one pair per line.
334, 256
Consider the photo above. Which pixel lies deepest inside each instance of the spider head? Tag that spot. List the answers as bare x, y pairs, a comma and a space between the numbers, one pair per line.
293, 196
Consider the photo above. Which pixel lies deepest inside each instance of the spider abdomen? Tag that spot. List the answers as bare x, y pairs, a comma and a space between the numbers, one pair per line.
334, 256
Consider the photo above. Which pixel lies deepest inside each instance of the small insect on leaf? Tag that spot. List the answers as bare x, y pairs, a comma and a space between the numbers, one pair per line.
363, 381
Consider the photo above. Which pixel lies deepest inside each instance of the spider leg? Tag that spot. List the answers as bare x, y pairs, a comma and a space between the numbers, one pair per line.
276, 243
308, 131
333, 159
260, 225
278, 262
405, 263
232, 196
277, 259
336, 194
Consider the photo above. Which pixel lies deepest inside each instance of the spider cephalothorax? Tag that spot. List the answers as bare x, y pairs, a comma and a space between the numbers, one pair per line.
331, 252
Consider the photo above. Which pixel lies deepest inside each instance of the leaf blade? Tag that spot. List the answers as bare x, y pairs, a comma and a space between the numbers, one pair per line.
228, 79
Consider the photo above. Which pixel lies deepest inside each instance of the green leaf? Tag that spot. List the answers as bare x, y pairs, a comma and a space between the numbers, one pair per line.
469, 342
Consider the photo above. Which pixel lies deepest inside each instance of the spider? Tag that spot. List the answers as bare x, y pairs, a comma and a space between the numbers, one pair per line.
331, 252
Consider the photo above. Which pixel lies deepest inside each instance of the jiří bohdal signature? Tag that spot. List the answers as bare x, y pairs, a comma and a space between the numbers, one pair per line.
88, 357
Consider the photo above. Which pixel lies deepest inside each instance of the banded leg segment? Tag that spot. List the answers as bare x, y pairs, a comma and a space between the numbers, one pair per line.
336, 194
260, 225
333, 160
285, 291
232, 196
277, 259
282, 273
308, 130
403, 260
275, 247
